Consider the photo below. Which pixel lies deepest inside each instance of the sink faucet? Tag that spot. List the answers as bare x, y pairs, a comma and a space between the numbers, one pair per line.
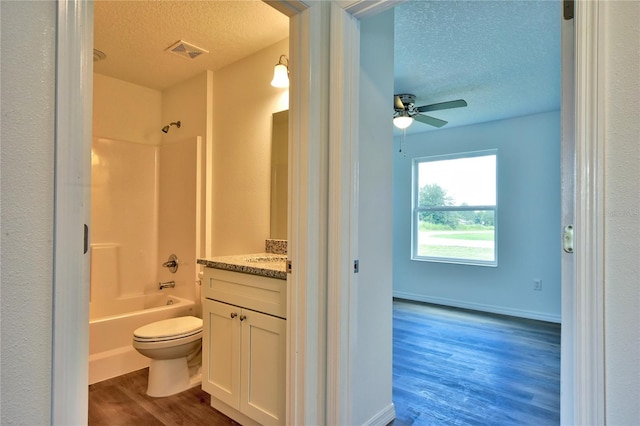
168, 284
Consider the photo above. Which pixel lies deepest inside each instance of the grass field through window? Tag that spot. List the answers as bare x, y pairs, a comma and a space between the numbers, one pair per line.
468, 244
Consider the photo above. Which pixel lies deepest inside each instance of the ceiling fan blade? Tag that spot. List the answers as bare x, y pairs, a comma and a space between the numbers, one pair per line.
397, 103
432, 121
443, 105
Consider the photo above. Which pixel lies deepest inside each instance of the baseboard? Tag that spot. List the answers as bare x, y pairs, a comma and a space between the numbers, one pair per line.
383, 417
479, 307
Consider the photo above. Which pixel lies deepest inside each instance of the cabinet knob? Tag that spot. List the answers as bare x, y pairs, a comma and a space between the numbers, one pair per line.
233, 315
243, 317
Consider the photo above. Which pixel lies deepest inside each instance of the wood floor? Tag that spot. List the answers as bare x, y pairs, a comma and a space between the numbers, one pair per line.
450, 367
458, 367
123, 401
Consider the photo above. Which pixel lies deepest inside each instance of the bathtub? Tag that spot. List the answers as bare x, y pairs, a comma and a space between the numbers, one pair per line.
110, 350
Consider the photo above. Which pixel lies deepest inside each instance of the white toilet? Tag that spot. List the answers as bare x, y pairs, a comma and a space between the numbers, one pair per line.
174, 346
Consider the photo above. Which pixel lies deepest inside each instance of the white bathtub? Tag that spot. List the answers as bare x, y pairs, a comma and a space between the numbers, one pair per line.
110, 351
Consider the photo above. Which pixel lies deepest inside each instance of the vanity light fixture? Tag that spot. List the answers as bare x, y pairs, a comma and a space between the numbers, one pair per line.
402, 120
281, 73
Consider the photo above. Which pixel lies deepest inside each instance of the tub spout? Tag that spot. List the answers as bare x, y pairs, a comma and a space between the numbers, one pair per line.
168, 284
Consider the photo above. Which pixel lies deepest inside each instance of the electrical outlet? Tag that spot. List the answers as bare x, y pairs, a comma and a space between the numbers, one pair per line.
537, 285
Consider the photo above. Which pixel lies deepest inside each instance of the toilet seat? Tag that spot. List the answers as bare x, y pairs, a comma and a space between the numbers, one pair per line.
169, 329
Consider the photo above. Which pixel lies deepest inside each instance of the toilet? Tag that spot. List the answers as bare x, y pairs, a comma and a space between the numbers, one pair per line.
175, 347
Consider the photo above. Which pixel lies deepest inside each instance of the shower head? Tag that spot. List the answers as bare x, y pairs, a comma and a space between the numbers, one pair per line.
166, 128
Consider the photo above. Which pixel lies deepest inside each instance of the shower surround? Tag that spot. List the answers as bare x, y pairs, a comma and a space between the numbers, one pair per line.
143, 208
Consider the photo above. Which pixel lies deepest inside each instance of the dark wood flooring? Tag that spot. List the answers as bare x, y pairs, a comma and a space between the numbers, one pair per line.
450, 367
459, 367
123, 401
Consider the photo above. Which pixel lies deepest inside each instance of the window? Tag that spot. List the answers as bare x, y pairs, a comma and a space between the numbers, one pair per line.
455, 208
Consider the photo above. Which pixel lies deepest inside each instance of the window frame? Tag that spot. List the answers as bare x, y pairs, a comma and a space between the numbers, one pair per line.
416, 209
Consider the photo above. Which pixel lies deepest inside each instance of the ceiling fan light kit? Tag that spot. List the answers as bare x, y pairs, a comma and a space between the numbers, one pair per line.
405, 111
402, 121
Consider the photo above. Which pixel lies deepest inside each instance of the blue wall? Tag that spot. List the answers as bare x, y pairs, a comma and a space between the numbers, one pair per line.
528, 229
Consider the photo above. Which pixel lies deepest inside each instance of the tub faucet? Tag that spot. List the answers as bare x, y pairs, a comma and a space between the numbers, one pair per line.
168, 284
171, 264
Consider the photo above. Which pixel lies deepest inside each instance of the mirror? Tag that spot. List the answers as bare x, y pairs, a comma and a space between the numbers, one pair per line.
279, 174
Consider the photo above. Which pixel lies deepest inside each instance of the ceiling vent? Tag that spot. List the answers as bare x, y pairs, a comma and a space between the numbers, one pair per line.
186, 50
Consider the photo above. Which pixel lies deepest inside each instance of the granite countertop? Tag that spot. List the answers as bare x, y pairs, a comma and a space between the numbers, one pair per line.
265, 264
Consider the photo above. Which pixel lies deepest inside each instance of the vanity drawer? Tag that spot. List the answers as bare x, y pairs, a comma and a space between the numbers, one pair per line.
262, 294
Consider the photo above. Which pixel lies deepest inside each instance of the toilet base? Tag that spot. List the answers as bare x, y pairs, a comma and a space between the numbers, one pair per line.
169, 377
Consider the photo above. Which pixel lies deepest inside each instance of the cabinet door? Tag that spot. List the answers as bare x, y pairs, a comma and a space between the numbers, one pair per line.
221, 352
263, 367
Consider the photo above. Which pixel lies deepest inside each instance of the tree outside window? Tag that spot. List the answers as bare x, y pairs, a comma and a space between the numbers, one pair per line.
455, 208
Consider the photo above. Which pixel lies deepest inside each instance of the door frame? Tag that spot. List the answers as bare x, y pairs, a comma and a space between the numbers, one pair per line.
582, 366
72, 205
308, 352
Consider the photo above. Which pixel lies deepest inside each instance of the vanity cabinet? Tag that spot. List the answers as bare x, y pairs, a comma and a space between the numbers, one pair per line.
244, 344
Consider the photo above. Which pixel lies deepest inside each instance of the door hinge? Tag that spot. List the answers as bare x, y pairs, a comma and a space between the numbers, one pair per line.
86, 239
567, 239
568, 9
289, 267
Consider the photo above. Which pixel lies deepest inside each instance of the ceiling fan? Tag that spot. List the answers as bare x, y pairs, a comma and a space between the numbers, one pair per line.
406, 111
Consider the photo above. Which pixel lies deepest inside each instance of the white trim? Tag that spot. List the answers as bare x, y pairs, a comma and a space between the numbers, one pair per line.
568, 217
383, 417
307, 228
364, 8
69, 391
588, 365
343, 186
290, 8
482, 307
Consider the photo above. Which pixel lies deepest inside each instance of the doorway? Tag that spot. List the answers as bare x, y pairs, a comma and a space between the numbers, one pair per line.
527, 243
589, 339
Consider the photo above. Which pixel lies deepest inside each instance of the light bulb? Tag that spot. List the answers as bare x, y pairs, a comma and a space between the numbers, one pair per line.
280, 76
402, 121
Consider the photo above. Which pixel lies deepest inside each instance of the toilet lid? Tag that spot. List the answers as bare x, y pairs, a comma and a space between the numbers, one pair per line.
169, 328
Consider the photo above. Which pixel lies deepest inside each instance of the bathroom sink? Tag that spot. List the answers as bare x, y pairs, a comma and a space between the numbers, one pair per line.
266, 258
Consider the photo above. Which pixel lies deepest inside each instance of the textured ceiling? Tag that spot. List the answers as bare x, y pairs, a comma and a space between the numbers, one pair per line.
135, 34
502, 57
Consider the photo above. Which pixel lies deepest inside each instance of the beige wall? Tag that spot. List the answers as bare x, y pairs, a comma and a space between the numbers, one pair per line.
177, 214
187, 102
243, 103
126, 111
182, 179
